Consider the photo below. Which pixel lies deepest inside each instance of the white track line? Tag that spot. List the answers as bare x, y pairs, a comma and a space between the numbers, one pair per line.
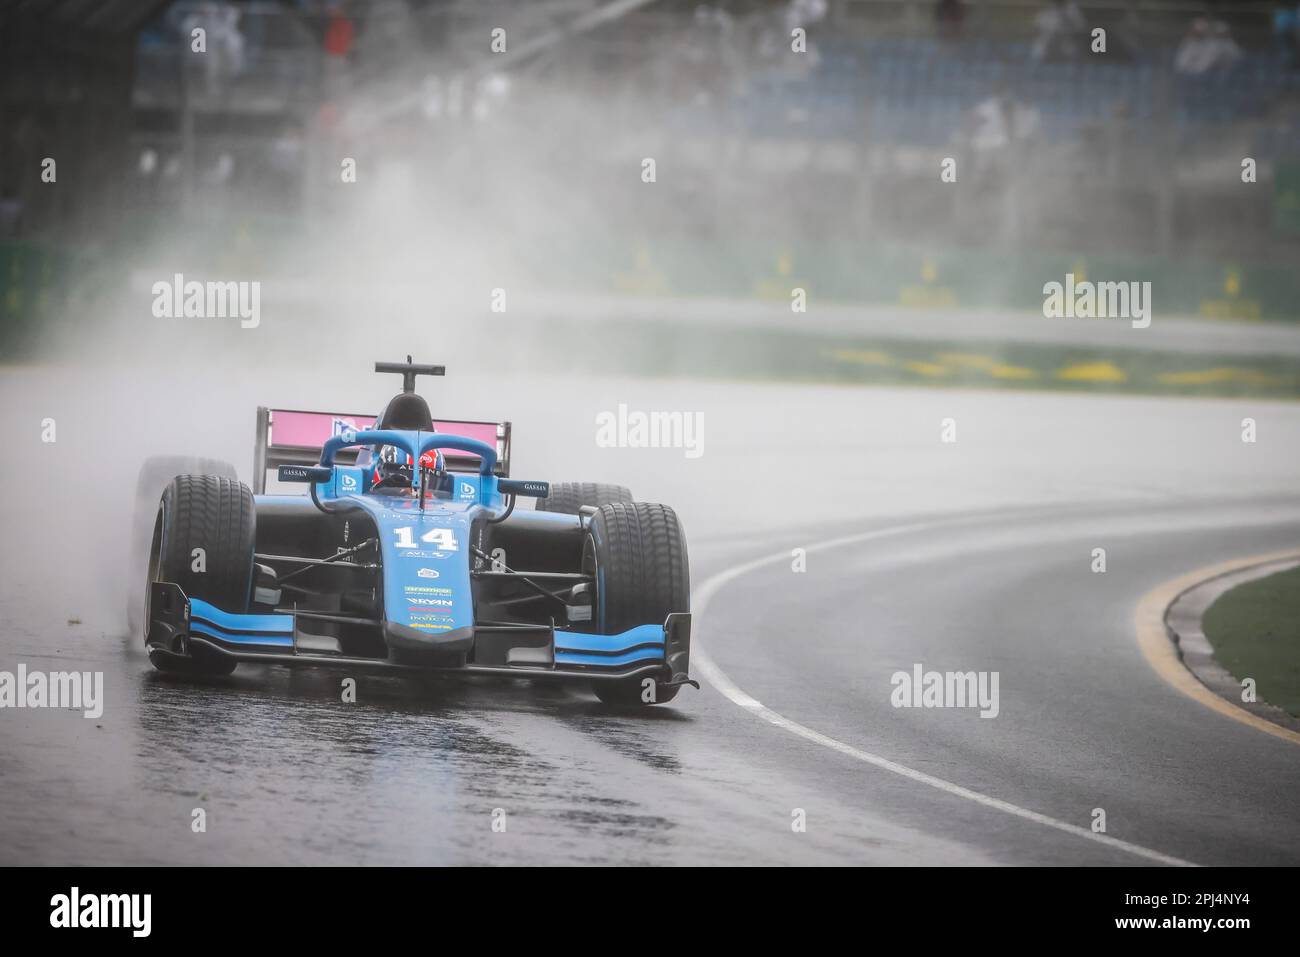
715, 676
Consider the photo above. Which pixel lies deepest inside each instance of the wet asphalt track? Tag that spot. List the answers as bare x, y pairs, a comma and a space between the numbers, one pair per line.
998, 580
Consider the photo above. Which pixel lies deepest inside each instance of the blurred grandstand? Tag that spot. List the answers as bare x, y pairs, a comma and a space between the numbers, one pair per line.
774, 167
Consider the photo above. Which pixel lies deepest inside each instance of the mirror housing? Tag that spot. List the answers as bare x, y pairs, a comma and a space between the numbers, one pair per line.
313, 474
520, 487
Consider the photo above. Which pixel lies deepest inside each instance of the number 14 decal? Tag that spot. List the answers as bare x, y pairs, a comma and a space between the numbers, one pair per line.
444, 539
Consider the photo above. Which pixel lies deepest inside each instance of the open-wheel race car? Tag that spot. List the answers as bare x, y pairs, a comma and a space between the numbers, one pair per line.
407, 553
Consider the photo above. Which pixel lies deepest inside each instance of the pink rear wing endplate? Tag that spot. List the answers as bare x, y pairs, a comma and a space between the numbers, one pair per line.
295, 436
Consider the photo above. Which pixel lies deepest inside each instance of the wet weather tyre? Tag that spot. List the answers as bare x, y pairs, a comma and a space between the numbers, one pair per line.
638, 553
216, 515
568, 497
155, 475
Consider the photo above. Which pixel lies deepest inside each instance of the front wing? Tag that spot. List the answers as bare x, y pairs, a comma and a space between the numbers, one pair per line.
179, 625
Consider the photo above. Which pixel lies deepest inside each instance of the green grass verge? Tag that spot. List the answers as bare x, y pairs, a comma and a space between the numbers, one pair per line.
1255, 631
673, 347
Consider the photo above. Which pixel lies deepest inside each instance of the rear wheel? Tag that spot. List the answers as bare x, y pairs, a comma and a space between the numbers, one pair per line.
203, 541
638, 555
569, 497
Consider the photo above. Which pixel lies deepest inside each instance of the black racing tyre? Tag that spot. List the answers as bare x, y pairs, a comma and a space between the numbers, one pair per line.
216, 515
568, 497
638, 552
155, 475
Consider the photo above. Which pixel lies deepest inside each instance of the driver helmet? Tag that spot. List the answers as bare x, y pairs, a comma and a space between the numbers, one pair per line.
394, 467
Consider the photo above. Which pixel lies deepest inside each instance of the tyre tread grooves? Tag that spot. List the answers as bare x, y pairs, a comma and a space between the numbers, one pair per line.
216, 514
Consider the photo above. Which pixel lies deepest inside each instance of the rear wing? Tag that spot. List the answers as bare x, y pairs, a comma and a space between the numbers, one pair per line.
295, 437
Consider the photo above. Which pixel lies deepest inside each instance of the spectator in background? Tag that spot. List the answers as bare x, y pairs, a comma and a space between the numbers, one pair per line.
1286, 32
223, 58
1062, 33
11, 214
1123, 34
998, 122
491, 95
1207, 46
339, 33
707, 55
948, 17
776, 29
804, 13
389, 36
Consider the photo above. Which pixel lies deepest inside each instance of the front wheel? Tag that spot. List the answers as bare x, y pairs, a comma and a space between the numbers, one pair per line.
155, 475
638, 554
203, 541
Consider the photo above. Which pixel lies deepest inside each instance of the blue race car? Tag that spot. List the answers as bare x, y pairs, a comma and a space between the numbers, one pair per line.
407, 554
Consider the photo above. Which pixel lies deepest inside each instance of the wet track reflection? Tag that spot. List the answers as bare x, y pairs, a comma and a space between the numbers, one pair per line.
413, 770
